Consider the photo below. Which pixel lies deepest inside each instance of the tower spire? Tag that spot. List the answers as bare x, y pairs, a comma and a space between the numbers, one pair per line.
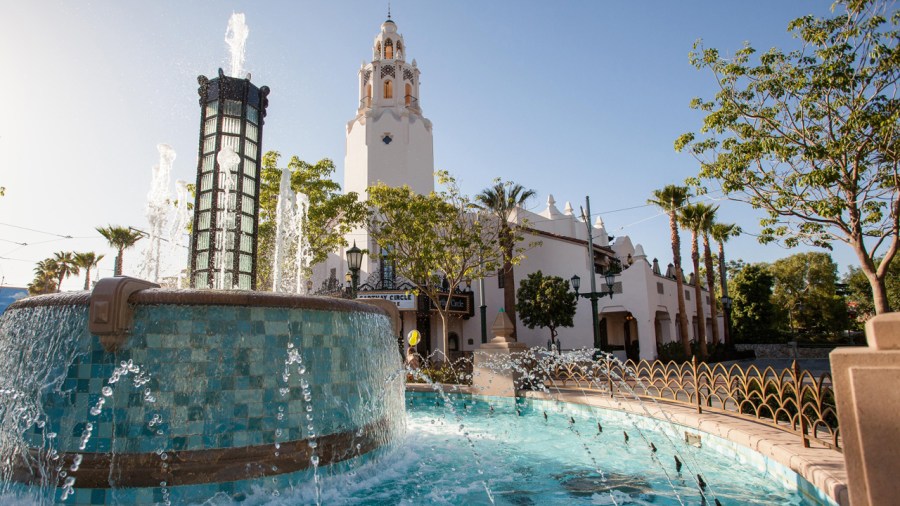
389, 9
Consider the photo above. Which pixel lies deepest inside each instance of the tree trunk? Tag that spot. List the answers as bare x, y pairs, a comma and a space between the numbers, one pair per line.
117, 270
711, 286
879, 294
723, 284
445, 340
879, 291
679, 286
701, 319
87, 278
509, 294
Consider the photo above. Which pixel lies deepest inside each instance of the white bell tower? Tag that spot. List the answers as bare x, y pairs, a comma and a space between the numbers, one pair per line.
389, 140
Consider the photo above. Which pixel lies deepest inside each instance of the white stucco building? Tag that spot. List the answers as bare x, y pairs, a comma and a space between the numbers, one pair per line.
390, 141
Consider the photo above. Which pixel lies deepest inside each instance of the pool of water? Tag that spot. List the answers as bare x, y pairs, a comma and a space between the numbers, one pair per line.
462, 450
469, 451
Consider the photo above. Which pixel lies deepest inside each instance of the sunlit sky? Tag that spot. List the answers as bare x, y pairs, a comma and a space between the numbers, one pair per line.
568, 98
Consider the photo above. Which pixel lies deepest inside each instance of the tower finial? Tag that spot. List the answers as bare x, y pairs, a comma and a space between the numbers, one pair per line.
389, 9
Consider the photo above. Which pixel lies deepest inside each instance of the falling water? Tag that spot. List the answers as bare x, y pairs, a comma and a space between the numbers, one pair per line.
158, 210
228, 161
303, 250
236, 38
291, 259
284, 231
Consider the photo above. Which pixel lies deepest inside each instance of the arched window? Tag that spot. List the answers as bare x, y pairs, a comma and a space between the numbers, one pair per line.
378, 50
399, 50
389, 49
389, 89
368, 99
408, 94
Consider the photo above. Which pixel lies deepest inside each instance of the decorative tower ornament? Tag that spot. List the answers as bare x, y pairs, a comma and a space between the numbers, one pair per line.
389, 140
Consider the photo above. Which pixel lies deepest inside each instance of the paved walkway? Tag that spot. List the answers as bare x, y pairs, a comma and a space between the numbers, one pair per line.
816, 366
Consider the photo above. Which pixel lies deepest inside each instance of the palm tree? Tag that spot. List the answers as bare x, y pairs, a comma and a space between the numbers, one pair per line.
120, 238
87, 261
45, 273
693, 217
501, 200
706, 225
670, 199
65, 267
721, 232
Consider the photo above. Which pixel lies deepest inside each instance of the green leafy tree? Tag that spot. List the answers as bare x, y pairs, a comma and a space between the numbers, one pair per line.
693, 218
120, 238
859, 295
546, 302
810, 136
437, 240
45, 277
805, 295
753, 316
502, 199
670, 199
330, 217
65, 266
87, 261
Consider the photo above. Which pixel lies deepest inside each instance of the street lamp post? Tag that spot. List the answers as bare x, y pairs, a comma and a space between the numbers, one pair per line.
594, 296
483, 309
354, 261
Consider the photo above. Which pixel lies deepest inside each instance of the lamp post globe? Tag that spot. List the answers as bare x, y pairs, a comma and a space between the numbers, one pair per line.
576, 283
354, 262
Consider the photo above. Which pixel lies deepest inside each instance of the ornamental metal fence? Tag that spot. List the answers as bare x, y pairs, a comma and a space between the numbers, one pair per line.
791, 400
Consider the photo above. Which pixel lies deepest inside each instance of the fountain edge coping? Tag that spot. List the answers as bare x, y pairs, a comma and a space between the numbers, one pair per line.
184, 297
824, 468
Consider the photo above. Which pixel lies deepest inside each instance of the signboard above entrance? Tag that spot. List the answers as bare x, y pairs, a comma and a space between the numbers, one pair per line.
404, 301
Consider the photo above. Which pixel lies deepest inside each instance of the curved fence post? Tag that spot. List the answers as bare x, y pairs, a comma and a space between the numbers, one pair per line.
798, 392
696, 383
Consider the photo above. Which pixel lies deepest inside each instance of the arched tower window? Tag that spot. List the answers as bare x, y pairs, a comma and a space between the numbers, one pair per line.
399, 50
368, 99
389, 49
408, 93
378, 50
389, 89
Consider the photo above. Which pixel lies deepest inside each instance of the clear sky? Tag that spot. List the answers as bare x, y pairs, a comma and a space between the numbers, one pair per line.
568, 98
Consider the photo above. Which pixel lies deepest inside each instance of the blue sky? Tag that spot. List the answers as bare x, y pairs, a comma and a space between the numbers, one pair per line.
568, 98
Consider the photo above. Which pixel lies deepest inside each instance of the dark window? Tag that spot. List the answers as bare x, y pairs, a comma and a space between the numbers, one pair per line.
500, 278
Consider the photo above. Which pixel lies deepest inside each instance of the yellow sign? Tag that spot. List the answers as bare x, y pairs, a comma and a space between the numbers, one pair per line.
413, 337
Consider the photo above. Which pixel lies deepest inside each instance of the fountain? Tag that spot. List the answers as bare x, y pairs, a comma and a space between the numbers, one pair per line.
290, 259
158, 210
135, 394
204, 394
228, 161
236, 38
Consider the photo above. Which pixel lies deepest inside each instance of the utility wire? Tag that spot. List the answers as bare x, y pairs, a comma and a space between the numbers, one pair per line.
41, 231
